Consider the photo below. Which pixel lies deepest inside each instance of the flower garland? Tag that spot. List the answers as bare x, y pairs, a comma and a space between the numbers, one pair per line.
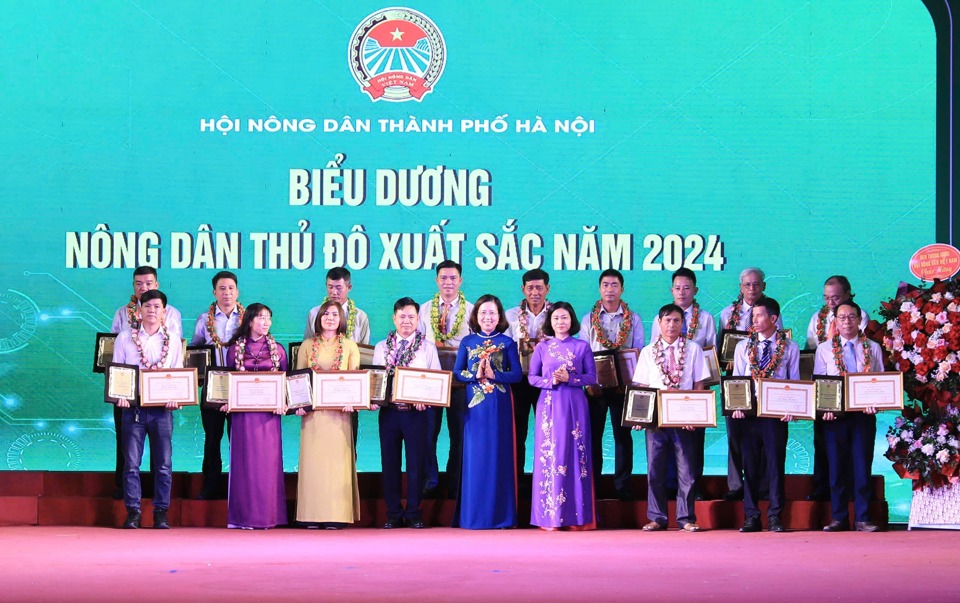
621, 334
733, 323
133, 313
694, 321
351, 314
406, 356
926, 447
822, 323
522, 318
778, 353
212, 324
838, 354
670, 378
457, 321
164, 350
315, 352
271, 343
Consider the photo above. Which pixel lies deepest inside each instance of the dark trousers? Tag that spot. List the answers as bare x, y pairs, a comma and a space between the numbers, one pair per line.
455, 413
734, 454
611, 401
155, 424
215, 422
403, 431
525, 398
821, 472
763, 439
680, 444
849, 443
118, 427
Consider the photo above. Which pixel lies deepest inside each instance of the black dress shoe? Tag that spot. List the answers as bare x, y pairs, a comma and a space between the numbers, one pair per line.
837, 526
132, 522
734, 494
751, 524
417, 524
774, 525
160, 521
392, 524
866, 526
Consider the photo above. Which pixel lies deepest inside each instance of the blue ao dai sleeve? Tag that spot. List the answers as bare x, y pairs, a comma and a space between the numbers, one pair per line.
460, 369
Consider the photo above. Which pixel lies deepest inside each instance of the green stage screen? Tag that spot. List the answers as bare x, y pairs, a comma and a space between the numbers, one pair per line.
569, 136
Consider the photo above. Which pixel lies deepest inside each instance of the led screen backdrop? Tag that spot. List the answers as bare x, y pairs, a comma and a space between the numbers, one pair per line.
280, 139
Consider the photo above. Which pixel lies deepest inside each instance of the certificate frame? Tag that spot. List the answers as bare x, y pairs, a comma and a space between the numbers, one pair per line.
155, 393
606, 364
829, 394
103, 351
729, 338
855, 384
293, 384
201, 357
366, 353
687, 408
639, 407
525, 347
807, 358
738, 393
770, 394
111, 396
406, 390
626, 359
712, 360
293, 351
379, 382
328, 384
216, 388
272, 384
447, 357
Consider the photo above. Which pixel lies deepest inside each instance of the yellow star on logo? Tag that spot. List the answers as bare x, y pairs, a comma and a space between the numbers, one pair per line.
397, 34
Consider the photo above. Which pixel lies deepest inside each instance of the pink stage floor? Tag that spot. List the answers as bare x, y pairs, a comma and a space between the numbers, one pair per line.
442, 564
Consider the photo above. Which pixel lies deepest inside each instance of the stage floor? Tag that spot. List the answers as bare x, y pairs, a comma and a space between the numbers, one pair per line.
443, 564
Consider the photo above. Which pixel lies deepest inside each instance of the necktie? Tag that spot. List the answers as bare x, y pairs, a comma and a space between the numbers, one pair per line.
400, 350
444, 312
764, 354
849, 357
671, 360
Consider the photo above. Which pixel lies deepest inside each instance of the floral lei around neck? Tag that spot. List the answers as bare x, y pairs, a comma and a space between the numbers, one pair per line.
242, 348
406, 356
621, 334
133, 314
838, 354
778, 353
522, 318
457, 321
822, 323
733, 322
315, 352
164, 351
351, 314
694, 321
212, 324
672, 378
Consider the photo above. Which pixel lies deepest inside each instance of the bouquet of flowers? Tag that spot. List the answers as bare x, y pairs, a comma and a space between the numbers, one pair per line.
926, 447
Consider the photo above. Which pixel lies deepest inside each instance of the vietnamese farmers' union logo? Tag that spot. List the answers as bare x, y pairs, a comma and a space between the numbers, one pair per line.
397, 54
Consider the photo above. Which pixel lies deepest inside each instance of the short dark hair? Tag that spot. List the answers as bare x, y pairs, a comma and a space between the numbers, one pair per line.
249, 313
338, 274
536, 275
670, 309
403, 302
561, 305
449, 264
686, 273
318, 328
502, 324
844, 282
610, 272
225, 274
769, 304
144, 270
850, 303
154, 294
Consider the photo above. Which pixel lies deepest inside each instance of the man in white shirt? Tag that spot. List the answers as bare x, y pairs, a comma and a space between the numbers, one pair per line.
338, 290
404, 425
849, 439
671, 361
444, 320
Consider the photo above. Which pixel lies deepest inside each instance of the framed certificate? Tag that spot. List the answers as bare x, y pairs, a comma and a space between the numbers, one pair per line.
728, 343
338, 389
883, 391
257, 391
627, 364
121, 381
525, 347
806, 364
103, 351
829, 394
421, 386
299, 385
738, 393
293, 350
379, 383
777, 398
693, 408
366, 353
448, 358
200, 357
160, 387
217, 388
713, 365
639, 407
606, 362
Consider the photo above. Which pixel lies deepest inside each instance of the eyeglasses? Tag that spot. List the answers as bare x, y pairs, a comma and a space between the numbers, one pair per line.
751, 285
